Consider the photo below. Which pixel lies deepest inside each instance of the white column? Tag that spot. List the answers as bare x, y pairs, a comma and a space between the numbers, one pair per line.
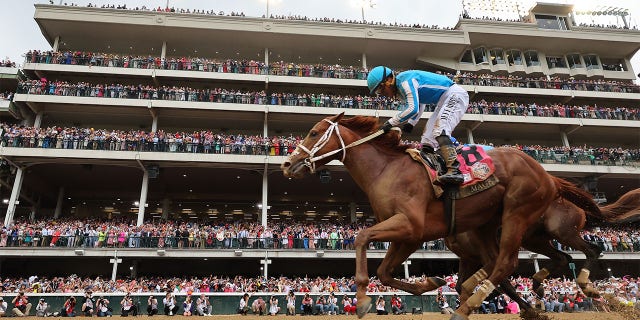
154, 124
58, 211
15, 193
143, 197
38, 120
265, 189
535, 265
115, 261
470, 136
163, 54
406, 268
166, 206
364, 60
265, 264
565, 139
56, 43
266, 57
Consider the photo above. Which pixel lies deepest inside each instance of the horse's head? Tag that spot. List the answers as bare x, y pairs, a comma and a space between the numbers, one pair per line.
323, 143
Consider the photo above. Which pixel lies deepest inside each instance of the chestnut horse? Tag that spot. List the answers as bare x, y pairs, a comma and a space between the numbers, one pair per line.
562, 221
406, 209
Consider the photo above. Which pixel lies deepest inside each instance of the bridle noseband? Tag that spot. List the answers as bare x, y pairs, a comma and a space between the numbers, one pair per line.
310, 160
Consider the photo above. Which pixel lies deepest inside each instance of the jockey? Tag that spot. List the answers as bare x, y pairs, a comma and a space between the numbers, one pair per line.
417, 89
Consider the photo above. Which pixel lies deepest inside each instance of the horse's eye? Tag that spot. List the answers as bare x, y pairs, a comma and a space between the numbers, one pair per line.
313, 134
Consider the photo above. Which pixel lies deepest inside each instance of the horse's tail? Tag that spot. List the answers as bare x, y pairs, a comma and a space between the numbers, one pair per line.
580, 198
625, 210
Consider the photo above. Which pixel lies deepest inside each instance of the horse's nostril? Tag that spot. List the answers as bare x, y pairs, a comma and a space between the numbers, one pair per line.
286, 164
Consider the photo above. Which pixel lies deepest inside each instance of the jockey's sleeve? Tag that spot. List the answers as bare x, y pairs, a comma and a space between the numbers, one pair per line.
408, 89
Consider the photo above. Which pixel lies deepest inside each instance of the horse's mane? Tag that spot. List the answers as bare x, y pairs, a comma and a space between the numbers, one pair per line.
365, 126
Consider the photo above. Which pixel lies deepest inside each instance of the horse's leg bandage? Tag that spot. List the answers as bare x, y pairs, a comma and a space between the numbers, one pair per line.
473, 281
483, 292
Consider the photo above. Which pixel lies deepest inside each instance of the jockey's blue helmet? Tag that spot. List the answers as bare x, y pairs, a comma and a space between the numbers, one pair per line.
376, 76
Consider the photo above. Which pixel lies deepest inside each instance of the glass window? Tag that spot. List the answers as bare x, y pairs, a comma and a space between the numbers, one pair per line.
514, 57
467, 57
551, 22
496, 56
612, 64
531, 57
556, 62
480, 54
574, 61
591, 61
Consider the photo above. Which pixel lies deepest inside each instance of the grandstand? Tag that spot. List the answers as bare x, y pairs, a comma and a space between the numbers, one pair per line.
120, 63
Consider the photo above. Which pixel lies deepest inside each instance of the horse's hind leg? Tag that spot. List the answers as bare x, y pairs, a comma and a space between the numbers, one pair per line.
398, 253
540, 243
592, 252
397, 228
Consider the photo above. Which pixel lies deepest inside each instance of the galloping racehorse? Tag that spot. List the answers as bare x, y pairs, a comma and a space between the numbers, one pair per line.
562, 221
404, 204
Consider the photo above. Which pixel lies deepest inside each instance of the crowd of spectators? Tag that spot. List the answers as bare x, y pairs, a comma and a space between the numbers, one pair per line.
280, 68
218, 234
609, 26
561, 294
311, 70
220, 95
271, 16
489, 79
7, 63
208, 141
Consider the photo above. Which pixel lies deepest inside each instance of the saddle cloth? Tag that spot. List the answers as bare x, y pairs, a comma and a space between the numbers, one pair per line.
476, 167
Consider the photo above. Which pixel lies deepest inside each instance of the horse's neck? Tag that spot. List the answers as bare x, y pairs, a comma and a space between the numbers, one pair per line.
365, 164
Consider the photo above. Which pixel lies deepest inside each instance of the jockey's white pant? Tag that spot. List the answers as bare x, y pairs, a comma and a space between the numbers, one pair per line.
446, 116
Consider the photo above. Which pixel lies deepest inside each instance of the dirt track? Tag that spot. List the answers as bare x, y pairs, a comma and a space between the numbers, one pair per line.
425, 316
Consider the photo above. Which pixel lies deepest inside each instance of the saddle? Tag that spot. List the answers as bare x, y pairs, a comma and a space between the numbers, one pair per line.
476, 167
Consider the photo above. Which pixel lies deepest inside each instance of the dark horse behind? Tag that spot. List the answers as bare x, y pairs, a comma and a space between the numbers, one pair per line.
406, 209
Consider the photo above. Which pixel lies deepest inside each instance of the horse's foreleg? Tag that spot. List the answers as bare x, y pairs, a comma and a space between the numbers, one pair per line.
398, 253
395, 229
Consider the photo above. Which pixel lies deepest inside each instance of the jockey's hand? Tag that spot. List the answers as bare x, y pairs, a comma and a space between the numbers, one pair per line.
386, 127
407, 128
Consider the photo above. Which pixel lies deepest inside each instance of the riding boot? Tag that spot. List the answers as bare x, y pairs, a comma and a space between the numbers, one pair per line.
448, 153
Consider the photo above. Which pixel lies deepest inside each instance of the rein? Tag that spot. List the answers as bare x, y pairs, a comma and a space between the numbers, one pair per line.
310, 160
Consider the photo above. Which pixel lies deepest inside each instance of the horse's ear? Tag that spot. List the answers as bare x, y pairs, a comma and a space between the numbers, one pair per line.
337, 117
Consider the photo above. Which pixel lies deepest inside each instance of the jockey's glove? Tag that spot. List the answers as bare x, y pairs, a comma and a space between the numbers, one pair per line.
386, 127
407, 128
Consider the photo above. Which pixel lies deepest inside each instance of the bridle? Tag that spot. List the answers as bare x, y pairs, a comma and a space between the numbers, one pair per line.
310, 160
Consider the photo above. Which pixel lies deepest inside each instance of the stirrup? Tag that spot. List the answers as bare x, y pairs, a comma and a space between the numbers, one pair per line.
451, 178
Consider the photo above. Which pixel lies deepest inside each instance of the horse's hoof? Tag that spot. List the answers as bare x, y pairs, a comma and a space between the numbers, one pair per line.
458, 316
437, 281
364, 305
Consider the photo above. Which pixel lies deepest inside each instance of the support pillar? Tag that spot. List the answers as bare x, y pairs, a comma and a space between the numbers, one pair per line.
364, 61
265, 190
56, 43
406, 268
265, 264
536, 266
58, 211
352, 212
154, 124
34, 208
163, 54
38, 119
266, 57
13, 200
470, 136
143, 197
565, 139
166, 206
115, 261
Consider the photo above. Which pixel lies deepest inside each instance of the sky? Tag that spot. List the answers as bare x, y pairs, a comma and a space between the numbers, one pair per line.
21, 33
